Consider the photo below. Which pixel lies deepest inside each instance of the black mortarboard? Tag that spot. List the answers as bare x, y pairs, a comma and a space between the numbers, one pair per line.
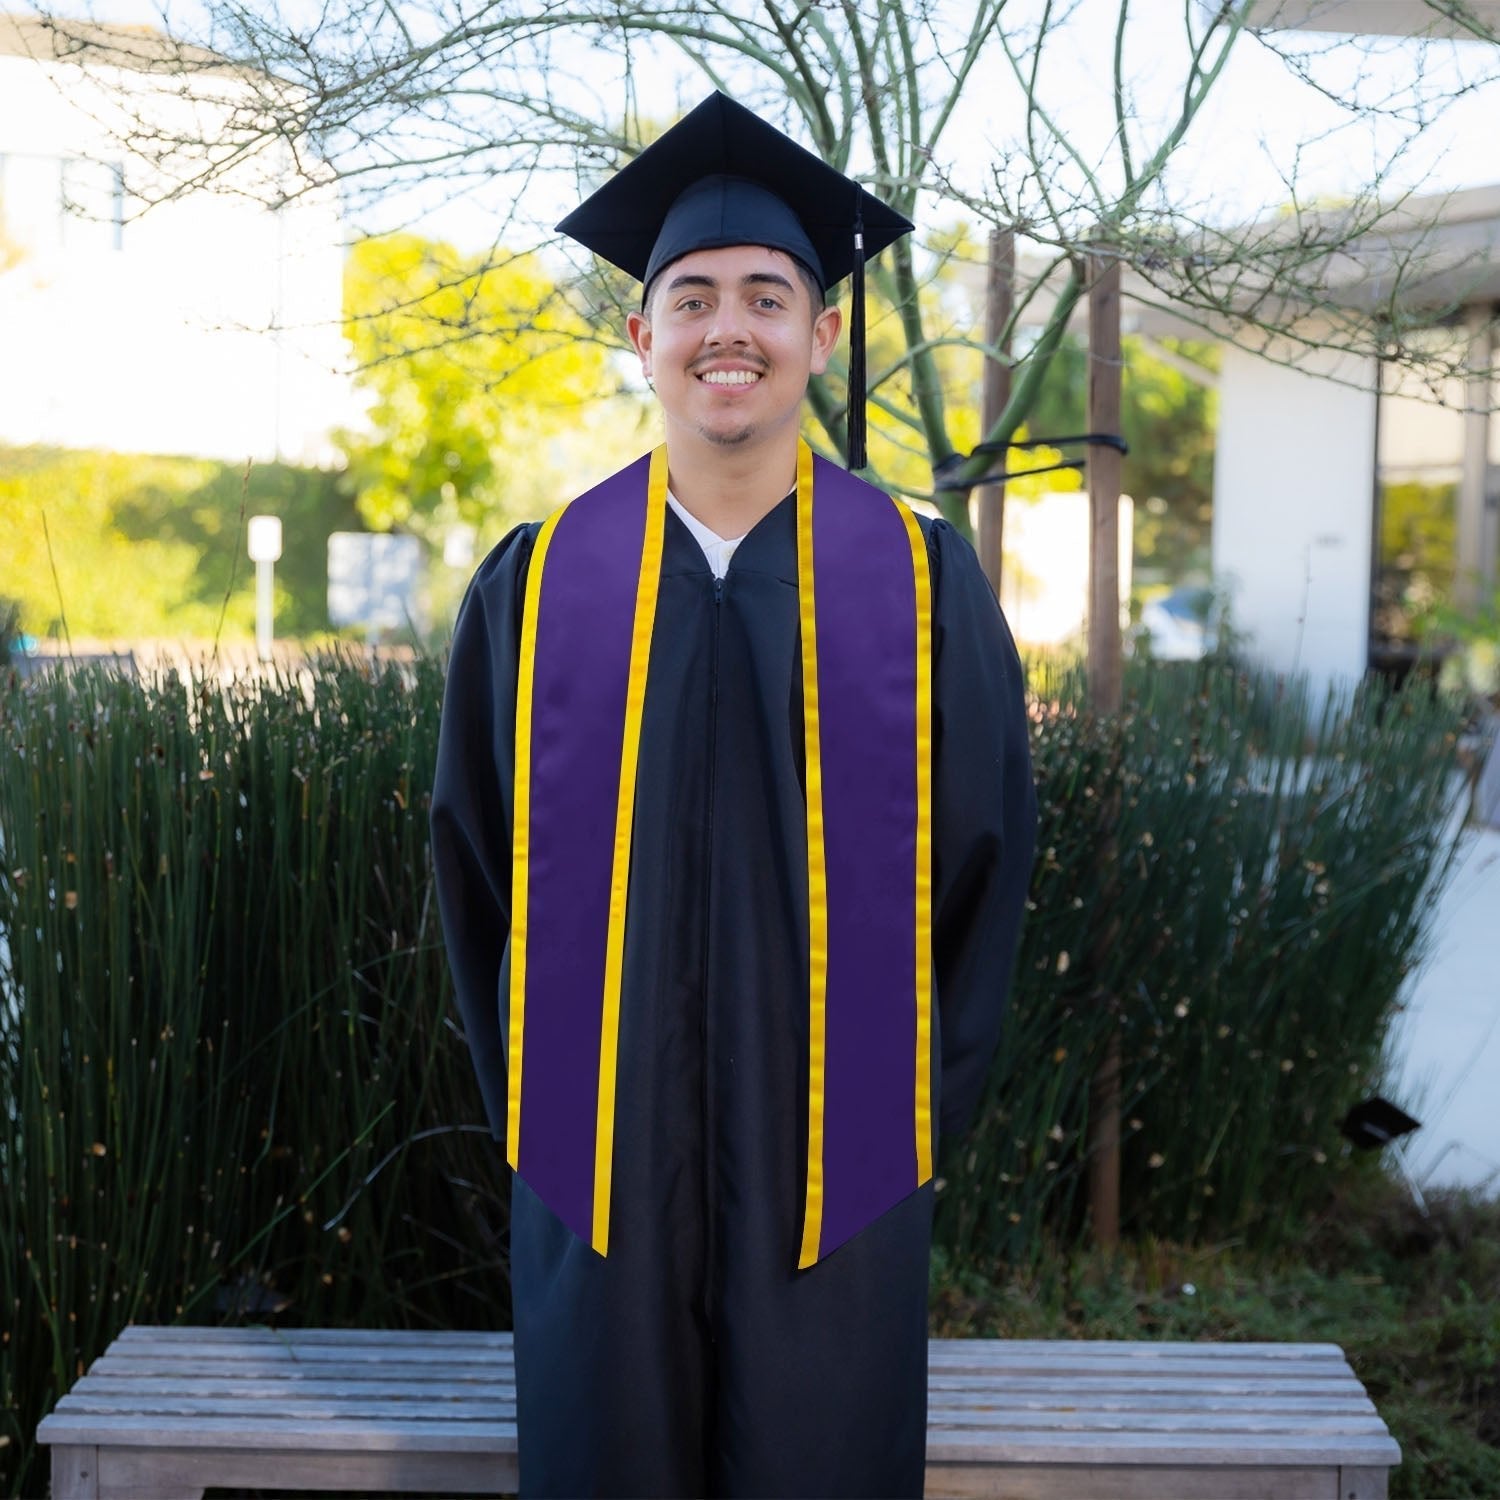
722, 176
1376, 1122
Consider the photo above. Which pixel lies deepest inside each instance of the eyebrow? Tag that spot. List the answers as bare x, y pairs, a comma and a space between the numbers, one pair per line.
755, 278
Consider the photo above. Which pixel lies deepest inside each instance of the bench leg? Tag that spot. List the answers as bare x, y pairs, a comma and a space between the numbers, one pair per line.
1363, 1484
75, 1473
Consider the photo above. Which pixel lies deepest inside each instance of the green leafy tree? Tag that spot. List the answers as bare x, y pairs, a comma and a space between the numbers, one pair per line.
898, 446
1169, 416
1418, 544
128, 546
476, 368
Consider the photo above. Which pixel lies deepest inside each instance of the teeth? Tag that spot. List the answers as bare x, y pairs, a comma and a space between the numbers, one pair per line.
730, 377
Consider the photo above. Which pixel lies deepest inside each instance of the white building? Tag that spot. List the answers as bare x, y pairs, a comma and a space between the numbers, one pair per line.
139, 313
1352, 490
1349, 492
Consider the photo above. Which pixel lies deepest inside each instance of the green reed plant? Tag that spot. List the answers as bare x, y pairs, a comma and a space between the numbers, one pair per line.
10, 628
231, 1085
235, 1087
1265, 887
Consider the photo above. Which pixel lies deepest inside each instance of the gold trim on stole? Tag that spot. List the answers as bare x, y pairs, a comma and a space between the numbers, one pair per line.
520, 866
923, 580
817, 869
646, 588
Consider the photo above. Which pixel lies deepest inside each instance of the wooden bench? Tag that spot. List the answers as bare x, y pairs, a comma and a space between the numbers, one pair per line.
166, 1412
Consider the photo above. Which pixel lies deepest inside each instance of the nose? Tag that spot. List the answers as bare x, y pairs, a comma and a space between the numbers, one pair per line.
729, 326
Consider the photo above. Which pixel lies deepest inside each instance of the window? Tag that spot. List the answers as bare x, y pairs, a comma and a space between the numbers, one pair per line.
50, 204
92, 204
1418, 469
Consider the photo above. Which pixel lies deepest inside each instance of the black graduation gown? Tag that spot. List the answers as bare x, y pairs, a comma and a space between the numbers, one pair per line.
696, 1359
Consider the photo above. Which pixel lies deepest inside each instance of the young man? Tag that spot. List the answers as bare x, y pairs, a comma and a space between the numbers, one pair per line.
732, 828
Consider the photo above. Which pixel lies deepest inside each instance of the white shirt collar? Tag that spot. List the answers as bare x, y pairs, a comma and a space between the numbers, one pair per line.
717, 549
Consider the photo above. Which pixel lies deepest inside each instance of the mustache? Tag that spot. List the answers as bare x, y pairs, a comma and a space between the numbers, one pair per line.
754, 361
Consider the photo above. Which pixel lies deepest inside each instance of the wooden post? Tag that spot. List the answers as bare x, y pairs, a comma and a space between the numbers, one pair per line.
1104, 687
1104, 468
1474, 575
999, 300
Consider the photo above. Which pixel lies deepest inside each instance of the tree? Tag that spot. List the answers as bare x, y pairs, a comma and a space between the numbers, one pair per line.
120, 546
475, 367
1169, 402
422, 103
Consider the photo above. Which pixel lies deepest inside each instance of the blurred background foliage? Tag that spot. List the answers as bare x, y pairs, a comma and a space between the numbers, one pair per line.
1418, 541
1169, 417
478, 374
461, 427
154, 547
215, 894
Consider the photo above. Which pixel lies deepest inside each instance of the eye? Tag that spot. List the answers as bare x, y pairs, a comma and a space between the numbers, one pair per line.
768, 303
691, 304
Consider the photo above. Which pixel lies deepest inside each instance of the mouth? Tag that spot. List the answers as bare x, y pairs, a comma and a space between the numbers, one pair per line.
730, 379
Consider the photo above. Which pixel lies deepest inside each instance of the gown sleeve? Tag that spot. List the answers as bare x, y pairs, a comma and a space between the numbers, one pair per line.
472, 804
984, 819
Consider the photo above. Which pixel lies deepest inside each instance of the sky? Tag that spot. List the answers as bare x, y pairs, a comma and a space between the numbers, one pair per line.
1261, 125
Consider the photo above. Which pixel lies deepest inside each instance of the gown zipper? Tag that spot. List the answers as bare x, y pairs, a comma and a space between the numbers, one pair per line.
706, 1028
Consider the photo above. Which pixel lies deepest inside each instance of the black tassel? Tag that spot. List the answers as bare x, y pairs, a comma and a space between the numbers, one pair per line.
856, 397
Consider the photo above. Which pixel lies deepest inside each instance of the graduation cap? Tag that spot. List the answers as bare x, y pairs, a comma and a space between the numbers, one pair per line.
722, 176
1376, 1122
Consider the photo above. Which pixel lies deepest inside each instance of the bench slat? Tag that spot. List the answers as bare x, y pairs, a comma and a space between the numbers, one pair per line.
965, 1349
1037, 1445
1101, 1364
486, 1383
112, 1393
1065, 1481
221, 1359
941, 1352
254, 1365
500, 1379
402, 1337
1001, 1438
939, 1349
977, 1408
1017, 1445
220, 1432
166, 1412
1273, 1427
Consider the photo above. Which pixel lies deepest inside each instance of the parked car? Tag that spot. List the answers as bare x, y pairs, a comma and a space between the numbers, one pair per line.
1182, 625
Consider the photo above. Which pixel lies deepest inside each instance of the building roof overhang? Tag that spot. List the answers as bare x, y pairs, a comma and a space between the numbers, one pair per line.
137, 49
1450, 19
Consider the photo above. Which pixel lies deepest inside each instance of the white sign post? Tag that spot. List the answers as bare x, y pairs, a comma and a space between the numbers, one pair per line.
265, 549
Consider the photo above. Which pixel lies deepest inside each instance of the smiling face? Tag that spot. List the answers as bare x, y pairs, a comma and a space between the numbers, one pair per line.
729, 339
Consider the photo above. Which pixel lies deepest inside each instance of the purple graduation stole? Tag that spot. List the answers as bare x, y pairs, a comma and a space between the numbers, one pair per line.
866, 640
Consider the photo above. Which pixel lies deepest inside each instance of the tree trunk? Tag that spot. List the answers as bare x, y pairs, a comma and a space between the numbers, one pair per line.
1104, 686
1000, 295
1104, 468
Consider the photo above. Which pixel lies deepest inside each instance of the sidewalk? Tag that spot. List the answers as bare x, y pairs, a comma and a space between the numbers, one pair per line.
1448, 1041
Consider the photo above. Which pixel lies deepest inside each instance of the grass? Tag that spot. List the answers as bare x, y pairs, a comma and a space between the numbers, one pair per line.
1414, 1301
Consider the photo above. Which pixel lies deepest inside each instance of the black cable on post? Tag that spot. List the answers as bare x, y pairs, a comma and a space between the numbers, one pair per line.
857, 455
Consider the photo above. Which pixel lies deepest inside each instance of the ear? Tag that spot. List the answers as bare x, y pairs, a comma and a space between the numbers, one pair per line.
825, 336
639, 328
